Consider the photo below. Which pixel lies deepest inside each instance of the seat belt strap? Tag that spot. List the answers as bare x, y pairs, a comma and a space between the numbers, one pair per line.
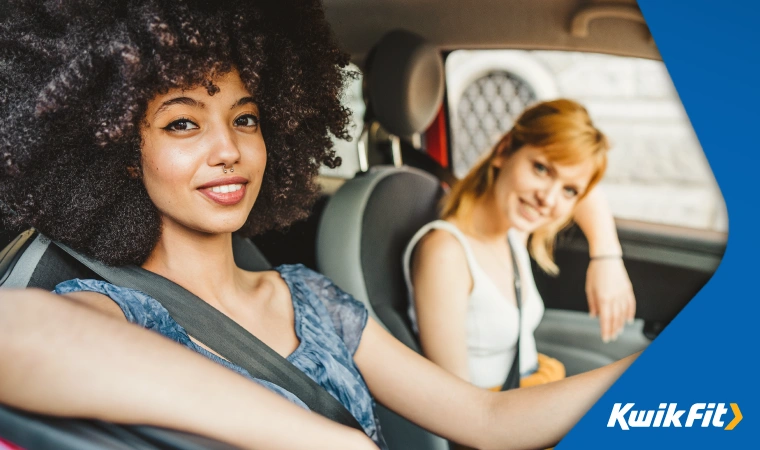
223, 335
513, 378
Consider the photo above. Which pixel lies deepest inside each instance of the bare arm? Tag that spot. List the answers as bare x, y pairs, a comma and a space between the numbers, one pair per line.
134, 376
608, 288
594, 217
442, 284
535, 417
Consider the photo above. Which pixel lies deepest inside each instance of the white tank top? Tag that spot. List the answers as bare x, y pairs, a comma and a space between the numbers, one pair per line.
492, 321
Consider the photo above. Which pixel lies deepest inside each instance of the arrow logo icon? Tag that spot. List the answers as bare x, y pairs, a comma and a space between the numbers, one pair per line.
737, 417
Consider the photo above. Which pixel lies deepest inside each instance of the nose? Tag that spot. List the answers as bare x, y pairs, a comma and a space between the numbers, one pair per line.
548, 196
225, 151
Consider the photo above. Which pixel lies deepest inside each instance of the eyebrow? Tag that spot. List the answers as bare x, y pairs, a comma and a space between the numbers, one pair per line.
199, 104
179, 101
244, 101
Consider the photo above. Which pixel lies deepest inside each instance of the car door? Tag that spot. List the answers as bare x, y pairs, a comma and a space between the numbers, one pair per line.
667, 265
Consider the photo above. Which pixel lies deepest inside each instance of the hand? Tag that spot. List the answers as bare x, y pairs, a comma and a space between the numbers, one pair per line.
610, 296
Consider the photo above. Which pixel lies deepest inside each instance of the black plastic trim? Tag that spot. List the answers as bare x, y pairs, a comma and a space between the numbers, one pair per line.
10, 255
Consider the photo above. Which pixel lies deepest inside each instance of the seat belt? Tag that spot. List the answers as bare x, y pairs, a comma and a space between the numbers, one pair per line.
513, 378
223, 335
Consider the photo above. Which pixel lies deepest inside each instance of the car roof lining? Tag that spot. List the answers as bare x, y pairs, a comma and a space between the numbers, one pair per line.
496, 24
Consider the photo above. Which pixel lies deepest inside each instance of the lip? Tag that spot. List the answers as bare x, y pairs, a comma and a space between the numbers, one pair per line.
224, 180
228, 198
531, 217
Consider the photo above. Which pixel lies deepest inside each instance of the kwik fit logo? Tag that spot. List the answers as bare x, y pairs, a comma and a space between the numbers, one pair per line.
669, 415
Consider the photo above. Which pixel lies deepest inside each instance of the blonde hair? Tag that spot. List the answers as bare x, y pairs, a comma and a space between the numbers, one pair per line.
564, 131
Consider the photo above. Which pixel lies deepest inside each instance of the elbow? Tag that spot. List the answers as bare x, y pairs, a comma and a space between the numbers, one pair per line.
26, 316
18, 325
10, 300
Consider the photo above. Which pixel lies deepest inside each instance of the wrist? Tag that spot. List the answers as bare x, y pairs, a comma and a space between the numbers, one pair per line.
603, 256
600, 246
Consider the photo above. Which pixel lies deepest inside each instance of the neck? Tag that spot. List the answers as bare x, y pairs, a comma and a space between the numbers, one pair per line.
202, 263
485, 221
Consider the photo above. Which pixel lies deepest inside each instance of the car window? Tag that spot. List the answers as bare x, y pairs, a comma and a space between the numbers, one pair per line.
657, 170
347, 150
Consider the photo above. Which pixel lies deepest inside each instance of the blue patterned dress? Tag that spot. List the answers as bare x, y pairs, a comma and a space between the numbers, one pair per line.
328, 322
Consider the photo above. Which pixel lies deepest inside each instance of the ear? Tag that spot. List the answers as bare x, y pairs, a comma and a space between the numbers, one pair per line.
500, 151
498, 161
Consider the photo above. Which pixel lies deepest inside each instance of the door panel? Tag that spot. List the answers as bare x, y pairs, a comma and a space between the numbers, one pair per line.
667, 266
574, 338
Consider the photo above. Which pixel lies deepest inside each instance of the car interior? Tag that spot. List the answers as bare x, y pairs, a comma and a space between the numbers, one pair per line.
360, 226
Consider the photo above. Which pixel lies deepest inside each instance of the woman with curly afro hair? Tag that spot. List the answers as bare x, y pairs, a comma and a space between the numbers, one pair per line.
146, 132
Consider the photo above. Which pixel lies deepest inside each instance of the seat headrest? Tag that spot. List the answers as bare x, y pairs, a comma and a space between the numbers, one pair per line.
404, 82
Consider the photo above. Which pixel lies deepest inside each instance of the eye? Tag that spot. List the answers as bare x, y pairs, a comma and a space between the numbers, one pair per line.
540, 168
570, 192
247, 120
180, 125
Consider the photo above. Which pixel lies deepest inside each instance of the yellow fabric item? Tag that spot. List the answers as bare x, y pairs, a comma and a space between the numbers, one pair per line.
549, 369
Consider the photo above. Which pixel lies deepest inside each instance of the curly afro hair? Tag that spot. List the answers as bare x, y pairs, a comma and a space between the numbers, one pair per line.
75, 79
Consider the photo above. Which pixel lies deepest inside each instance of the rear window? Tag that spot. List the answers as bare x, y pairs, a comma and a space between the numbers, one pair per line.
657, 170
347, 150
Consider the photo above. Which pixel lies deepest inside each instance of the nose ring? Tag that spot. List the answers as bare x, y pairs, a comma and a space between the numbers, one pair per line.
231, 169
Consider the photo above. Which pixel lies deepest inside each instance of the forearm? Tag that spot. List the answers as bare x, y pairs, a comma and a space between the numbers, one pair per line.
538, 417
63, 359
419, 390
594, 217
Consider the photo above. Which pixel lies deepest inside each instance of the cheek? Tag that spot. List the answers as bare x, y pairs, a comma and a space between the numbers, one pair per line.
164, 172
503, 188
258, 161
524, 181
154, 172
564, 208
151, 175
260, 158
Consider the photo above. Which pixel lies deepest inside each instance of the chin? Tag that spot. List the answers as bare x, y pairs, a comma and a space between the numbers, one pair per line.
220, 226
524, 225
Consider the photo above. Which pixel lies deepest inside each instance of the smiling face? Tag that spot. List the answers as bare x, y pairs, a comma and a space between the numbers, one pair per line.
189, 139
532, 191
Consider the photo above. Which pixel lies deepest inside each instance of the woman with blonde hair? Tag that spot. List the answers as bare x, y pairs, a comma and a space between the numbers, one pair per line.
469, 269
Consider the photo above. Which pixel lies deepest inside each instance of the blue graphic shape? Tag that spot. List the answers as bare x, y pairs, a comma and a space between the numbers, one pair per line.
708, 353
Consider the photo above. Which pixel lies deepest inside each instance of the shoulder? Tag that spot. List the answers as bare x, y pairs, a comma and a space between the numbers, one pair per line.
298, 276
440, 248
314, 286
347, 314
94, 294
297, 271
440, 268
441, 242
135, 306
98, 302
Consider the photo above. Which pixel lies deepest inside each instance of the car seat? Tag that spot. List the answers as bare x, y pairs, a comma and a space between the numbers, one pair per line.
361, 238
368, 222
